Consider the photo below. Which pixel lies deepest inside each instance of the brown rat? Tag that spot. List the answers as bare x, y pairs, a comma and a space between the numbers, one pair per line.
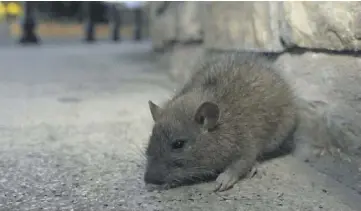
234, 109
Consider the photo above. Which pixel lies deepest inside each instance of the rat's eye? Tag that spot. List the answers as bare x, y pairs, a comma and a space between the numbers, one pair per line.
178, 144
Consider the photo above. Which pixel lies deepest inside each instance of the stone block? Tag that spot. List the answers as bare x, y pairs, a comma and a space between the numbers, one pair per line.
189, 28
173, 22
163, 24
182, 61
328, 88
242, 25
321, 25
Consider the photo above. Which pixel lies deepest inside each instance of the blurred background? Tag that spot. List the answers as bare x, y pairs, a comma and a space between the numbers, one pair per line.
72, 20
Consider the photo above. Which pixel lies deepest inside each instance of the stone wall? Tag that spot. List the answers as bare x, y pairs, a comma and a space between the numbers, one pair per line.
316, 47
277, 26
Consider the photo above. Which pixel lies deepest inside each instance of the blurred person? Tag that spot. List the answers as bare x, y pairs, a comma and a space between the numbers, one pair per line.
89, 16
115, 18
136, 7
29, 24
114, 21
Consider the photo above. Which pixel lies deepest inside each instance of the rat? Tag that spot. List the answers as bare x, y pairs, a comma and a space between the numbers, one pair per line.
234, 109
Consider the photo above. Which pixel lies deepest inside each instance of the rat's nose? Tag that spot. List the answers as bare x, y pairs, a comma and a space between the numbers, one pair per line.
151, 177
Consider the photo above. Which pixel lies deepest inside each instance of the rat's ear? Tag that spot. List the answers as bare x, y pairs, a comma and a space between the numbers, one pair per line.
154, 110
207, 114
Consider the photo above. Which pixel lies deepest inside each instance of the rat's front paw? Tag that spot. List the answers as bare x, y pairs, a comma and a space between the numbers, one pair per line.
226, 180
256, 171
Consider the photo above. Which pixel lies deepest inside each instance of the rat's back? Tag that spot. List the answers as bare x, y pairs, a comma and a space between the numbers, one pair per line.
235, 75
252, 96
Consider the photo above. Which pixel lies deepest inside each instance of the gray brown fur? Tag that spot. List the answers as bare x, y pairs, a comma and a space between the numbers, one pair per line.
255, 114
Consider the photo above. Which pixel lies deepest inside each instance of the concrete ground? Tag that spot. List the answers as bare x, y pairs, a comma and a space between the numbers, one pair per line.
74, 121
5, 37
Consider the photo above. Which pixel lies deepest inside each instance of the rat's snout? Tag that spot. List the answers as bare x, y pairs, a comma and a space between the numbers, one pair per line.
152, 176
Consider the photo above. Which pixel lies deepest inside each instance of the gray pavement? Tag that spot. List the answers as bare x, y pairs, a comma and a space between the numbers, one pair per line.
5, 38
73, 125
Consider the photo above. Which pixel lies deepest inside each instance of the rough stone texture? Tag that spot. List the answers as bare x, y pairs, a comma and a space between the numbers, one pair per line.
332, 84
163, 26
325, 25
260, 26
178, 22
242, 25
182, 61
73, 122
328, 88
189, 22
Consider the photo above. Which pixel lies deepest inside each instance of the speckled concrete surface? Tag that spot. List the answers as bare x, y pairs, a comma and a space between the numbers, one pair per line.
73, 124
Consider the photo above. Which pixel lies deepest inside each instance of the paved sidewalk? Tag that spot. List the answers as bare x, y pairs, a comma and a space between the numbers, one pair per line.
74, 121
5, 35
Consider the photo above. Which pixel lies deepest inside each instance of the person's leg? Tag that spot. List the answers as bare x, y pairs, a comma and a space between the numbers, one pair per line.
114, 22
138, 24
89, 22
29, 24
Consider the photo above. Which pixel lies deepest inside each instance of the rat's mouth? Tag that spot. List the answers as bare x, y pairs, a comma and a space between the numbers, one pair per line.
180, 182
187, 181
178, 178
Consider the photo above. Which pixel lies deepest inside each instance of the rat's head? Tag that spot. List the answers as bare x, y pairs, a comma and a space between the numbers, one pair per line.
177, 151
